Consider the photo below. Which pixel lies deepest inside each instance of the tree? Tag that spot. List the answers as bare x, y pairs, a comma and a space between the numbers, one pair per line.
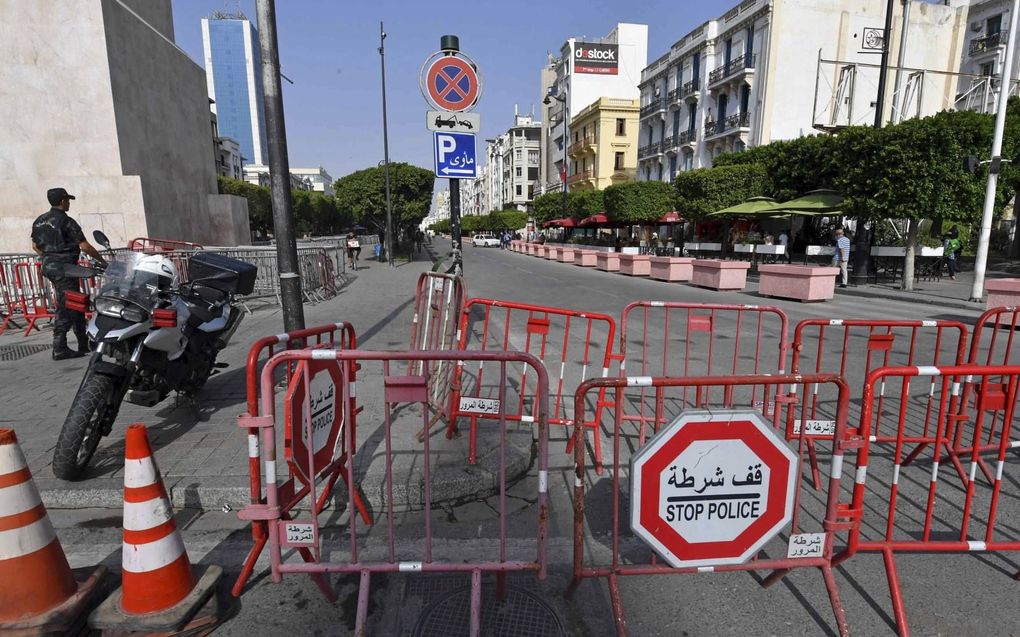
362, 195
547, 206
509, 219
585, 203
638, 201
260, 204
913, 170
441, 227
705, 190
792, 167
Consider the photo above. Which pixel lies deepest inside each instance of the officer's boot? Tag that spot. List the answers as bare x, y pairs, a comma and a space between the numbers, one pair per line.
81, 335
60, 349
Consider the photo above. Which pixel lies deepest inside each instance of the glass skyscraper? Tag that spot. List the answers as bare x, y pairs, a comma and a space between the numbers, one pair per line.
234, 74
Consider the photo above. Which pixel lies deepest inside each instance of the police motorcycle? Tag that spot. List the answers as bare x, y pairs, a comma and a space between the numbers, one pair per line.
151, 335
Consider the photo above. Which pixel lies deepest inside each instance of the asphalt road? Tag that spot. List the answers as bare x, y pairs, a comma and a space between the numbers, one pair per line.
945, 594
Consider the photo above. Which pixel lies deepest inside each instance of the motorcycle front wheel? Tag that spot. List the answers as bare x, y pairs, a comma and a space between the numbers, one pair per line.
83, 427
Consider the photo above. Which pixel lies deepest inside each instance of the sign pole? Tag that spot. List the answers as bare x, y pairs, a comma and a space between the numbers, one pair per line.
386, 150
452, 43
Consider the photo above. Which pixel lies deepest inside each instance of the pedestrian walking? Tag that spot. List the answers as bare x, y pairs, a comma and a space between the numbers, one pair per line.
353, 250
784, 240
58, 239
842, 256
950, 247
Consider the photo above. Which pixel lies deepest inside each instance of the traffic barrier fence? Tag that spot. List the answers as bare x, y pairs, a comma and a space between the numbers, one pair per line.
577, 344
853, 349
295, 488
368, 553
438, 303
814, 518
35, 294
674, 339
899, 497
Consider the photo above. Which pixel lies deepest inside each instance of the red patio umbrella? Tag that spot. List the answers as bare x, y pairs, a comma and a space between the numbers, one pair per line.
598, 219
566, 222
670, 217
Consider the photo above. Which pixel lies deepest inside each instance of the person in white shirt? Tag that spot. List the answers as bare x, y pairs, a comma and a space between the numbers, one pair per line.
842, 255
784, 240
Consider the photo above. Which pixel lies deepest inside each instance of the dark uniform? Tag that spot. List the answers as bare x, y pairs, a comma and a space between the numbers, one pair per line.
59, 236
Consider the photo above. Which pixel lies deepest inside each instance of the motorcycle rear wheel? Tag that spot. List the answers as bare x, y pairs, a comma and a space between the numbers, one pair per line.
83, 427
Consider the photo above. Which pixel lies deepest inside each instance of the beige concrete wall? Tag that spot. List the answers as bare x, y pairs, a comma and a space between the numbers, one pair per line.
228, 222
98, 100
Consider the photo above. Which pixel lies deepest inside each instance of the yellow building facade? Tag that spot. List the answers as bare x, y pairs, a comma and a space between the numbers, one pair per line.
604, 144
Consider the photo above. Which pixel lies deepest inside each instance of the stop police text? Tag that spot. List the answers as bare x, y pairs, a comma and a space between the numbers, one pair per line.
704, 511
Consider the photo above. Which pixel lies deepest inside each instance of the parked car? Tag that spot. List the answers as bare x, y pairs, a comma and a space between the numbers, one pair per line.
485, 240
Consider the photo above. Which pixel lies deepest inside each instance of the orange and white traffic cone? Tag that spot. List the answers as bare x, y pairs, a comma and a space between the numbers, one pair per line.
160, 593
42, 595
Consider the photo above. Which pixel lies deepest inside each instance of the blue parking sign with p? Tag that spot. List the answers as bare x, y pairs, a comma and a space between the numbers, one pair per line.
454, 155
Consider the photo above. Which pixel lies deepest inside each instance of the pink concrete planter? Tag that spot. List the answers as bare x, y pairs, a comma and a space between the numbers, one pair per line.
720, 275
552, 253
540, 250
586, 258
608, 261
672, 268
515, 246
635, 264
801, 282
567, 255
1002, 293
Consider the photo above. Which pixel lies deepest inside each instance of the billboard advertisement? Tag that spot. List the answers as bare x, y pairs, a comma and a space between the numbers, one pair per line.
598, 59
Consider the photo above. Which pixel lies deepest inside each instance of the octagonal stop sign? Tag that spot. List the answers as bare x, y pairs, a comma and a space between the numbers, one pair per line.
324, 401
712, 487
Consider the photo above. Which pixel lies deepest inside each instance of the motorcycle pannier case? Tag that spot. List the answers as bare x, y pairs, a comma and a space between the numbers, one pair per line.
223, 273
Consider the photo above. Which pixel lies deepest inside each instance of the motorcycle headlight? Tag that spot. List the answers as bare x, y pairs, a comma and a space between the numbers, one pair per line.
109, 307
133, 313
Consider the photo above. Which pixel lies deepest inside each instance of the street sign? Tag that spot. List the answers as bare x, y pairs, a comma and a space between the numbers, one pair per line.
457, 122
712, 487
454, 155
324, 402
449, 81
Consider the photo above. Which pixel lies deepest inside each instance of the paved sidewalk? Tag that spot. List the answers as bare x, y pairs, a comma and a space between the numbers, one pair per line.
202, 454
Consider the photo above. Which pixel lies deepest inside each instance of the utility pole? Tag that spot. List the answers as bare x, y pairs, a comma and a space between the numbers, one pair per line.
862, 252
386, 150
279, 170
1006, 79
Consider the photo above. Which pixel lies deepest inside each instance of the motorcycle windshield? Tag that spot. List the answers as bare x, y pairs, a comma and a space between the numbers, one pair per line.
132, 276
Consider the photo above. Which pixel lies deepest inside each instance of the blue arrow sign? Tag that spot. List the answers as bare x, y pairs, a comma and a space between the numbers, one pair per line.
455, 155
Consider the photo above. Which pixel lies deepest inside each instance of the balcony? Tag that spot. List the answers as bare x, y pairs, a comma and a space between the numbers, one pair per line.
737, 65
690, 88
685, 137
727, 125
579, 176
581, 144
988, 43
656, 105
650, 150
669, 143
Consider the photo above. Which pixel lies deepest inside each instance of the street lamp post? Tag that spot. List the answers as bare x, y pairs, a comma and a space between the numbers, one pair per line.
562, 99
386, 150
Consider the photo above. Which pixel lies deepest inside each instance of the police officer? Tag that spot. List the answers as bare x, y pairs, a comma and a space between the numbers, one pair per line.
58, 239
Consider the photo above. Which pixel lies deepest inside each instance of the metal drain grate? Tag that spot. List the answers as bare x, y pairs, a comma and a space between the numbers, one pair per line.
522, 614
17, 352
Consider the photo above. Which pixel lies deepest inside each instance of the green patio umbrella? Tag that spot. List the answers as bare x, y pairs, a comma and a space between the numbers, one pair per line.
753, 207
816, 201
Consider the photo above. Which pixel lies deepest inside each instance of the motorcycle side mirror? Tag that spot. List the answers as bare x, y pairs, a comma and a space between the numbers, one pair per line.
101, 239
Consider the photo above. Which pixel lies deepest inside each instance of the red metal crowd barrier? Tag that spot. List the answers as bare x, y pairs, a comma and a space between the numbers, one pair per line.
363, 556
438, 302
9, 304
853, 349
674, 339
330, 336
814, 522
906, 511
35, 294
993, 337
148, 244
569, 340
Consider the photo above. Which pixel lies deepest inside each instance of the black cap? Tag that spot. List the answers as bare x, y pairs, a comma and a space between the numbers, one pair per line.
56, 195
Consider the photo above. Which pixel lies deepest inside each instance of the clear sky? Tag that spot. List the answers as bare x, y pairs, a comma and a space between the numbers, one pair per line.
329, 49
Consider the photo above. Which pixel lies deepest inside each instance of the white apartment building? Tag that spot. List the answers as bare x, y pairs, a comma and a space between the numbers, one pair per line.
780, 69
985, 52
319, 178
586, 70
258, 174
521, 164
489, 184
228, 158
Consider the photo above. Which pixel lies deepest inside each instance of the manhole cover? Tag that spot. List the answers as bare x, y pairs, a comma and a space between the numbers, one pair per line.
17, 352
521, 614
